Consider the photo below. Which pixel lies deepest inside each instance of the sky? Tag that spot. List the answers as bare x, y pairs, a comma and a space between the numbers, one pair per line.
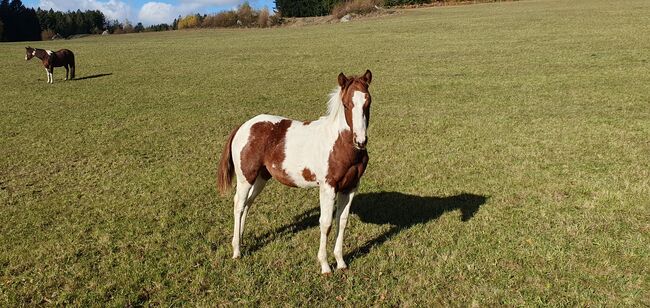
146, 11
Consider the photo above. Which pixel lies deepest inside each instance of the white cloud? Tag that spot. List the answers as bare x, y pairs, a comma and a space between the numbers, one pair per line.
157, 13
152, 12
113, 9
204, 3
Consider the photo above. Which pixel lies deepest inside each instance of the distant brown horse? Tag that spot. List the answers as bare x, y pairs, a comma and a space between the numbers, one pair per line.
63, 57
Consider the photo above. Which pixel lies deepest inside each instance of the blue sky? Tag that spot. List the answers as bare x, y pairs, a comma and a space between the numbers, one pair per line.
146, 11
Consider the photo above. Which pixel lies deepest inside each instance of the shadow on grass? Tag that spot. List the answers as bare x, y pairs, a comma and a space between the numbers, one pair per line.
399, 210
301, 222
403, 211
93, 76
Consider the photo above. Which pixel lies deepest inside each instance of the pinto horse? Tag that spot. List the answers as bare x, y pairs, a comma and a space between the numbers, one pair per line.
63, 57
329, 153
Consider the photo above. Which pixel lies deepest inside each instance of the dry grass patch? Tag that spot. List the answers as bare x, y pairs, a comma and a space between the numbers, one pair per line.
360, 7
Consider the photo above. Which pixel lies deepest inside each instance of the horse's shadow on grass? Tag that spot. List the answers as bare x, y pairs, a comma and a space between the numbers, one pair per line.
400, 211
93, 76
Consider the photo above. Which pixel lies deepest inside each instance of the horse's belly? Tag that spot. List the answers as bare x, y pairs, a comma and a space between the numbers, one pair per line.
304, 179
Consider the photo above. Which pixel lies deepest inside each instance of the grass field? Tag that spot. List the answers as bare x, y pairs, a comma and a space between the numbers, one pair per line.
509, 163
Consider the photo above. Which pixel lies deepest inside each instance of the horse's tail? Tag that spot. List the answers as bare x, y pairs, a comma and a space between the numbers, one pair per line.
226, 166
72, 65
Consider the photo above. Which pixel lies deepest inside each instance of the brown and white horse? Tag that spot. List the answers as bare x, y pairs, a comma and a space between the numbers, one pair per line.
329, 152
63, 57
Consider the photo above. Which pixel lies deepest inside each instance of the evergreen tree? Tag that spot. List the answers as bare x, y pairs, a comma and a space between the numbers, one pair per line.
139, 27
71, 23
304, 8
4, 18
19, 22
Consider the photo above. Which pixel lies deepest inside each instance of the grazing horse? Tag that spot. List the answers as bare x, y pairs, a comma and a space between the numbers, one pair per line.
329, 152
63, 57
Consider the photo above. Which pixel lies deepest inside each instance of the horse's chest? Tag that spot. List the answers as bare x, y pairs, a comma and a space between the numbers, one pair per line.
345, 164
345, 171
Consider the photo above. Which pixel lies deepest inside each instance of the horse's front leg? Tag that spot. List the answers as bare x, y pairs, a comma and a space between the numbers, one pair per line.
51, 72
327, 198
344, 200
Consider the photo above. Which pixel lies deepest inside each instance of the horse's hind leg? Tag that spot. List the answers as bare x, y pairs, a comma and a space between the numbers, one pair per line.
241, 196
66, 72
258, 186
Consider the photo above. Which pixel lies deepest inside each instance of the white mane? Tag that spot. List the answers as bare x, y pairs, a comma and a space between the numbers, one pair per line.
334, 104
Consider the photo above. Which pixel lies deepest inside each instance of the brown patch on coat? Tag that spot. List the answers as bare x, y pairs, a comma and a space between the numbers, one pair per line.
308, 175
263, 154
346, 164
306, 122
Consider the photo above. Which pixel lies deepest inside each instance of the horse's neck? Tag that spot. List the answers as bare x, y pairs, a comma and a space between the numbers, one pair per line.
331, 124
41, 54
334, 121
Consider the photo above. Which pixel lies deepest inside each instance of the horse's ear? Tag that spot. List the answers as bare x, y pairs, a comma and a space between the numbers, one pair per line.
342, 80
367, 77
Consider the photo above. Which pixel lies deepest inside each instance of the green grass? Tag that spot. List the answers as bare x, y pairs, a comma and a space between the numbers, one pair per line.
509, 163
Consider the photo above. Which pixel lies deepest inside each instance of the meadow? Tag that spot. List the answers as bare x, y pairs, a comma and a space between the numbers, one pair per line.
509, 163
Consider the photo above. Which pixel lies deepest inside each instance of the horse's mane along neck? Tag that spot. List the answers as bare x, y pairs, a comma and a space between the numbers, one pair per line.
335, 112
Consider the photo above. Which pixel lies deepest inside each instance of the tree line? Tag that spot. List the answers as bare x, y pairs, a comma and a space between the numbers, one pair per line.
19, 23
70, 23
306, 8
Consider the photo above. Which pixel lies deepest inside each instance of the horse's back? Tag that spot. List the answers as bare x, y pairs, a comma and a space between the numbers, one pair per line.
263, 129
62, 57
65, 51
66, 56
259, 120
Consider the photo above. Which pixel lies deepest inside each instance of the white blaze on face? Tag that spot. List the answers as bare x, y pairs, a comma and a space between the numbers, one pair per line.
358, 117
